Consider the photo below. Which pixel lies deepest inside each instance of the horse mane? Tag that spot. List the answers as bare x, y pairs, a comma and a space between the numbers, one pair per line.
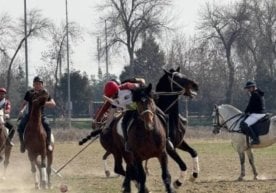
231, 108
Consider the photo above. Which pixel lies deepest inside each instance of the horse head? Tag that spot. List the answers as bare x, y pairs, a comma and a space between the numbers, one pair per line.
224, 115
145, 105
40, 97
178, 82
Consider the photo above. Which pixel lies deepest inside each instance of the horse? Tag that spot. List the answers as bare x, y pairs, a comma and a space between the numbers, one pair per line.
5, 148
35, 142
169, 88
229, 117
147, 139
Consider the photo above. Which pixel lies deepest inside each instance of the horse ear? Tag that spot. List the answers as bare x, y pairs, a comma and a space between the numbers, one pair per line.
149, 88
166, 72
216, 106
178, 69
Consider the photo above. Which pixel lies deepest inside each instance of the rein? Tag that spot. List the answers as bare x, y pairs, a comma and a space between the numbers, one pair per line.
172, 93
225, 122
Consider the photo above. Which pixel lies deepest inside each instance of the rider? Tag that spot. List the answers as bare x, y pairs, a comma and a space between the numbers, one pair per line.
6, 105
37, 86
121, 94
255, 110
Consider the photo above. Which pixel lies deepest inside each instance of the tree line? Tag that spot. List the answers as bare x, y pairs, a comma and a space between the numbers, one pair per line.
233, 43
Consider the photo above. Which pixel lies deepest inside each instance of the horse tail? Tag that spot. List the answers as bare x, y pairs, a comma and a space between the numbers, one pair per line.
92, 134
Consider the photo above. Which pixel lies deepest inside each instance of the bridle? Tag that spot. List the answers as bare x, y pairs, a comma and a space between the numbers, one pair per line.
216, 123
172, 93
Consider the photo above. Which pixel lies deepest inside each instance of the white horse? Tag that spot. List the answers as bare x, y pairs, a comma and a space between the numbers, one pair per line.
229, 117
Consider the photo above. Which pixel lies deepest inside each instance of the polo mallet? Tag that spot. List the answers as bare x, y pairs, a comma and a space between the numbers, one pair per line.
64, 165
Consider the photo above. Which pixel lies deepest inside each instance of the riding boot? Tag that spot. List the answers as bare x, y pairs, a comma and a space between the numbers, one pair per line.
10, 136
22, 144
254, 136
124, 128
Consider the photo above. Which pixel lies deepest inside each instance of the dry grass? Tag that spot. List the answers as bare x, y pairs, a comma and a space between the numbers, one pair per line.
219, 165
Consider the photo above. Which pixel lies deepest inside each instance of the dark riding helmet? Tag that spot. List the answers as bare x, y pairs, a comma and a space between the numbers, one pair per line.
249, 84
38, 79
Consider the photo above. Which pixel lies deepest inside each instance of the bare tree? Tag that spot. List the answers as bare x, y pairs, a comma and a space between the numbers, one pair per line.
37, 26
128, 20
225, 24
56, 53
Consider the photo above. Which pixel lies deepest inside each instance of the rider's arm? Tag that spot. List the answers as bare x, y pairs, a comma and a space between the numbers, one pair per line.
50, 104
101, 111
129, 85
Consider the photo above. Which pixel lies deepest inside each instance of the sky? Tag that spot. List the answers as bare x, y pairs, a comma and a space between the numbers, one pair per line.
83, 12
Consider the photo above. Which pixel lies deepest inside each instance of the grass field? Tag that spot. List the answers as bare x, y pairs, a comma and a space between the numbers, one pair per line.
219, 166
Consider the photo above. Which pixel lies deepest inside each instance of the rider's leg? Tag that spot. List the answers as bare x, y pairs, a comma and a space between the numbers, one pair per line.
47, 128
125, 121
249, 130
20, 130
110, 117
165, 117
9, 125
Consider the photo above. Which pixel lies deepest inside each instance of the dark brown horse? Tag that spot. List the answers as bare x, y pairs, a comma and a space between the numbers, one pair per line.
35, 142
147, 139
5, 148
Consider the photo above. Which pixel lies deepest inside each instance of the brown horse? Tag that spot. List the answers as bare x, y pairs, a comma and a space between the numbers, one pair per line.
147, 139
35, 142
5, 148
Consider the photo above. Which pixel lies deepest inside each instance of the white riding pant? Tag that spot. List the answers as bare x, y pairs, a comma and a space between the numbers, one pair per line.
253, 118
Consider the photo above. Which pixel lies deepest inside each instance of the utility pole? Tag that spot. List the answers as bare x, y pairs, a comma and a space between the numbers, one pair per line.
68, 69
106, 49
26, 44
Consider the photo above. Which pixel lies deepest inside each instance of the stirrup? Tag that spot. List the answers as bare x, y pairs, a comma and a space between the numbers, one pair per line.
255, 142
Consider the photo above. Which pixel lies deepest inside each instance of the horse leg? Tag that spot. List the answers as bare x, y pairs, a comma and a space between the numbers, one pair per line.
146, 168
175, 156
118, 165
141, 178
7, 160
185, 147
35, 176
163, 159
49, 168
43, 172
130, 171
106, 170
251, 161
242, 159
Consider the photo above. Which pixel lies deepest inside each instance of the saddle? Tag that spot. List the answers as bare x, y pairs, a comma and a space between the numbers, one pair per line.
261, 127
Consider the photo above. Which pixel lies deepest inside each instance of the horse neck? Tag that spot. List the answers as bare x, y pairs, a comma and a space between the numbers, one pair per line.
35, 115
164, 101
229, 115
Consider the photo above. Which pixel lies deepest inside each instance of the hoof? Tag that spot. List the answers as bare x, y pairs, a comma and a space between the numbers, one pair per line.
177, 184
240, 179
192, 178
107, 173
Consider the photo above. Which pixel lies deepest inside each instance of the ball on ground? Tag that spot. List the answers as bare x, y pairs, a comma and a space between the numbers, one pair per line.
63, 188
